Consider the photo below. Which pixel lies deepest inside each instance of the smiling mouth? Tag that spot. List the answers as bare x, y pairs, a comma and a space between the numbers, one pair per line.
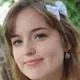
34, 62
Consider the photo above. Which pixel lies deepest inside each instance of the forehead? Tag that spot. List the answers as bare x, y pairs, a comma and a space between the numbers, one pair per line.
30, 11
30, 14
30, 18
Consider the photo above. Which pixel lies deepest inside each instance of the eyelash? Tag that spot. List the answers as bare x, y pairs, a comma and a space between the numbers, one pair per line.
40, 36
17, 42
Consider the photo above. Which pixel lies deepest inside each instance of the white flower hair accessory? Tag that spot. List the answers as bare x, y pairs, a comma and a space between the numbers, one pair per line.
57, 8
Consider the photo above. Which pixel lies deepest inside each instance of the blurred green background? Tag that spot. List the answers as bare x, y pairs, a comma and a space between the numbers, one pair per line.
73, 7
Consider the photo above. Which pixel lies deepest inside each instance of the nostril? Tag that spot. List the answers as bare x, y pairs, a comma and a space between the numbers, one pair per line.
30, 54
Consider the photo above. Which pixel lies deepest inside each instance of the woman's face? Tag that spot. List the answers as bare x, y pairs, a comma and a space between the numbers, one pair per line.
37, 48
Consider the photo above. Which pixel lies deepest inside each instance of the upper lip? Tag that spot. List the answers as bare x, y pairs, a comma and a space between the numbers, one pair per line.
33, 60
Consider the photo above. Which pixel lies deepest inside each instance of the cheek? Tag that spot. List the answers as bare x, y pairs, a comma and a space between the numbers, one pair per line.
53, 54
52, 51
50, 48
17, 53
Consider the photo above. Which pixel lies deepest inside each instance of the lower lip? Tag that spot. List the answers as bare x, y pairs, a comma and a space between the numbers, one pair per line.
34, 63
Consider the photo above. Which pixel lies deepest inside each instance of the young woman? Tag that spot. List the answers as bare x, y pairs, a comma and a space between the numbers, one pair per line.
43, 44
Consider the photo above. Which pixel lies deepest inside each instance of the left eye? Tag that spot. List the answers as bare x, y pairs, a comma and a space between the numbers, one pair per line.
40, 36
17, 42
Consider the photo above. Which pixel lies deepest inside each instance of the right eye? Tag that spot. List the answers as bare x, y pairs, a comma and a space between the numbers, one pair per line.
17, 42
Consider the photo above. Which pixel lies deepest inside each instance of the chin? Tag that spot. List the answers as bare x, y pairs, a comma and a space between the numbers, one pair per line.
34, 77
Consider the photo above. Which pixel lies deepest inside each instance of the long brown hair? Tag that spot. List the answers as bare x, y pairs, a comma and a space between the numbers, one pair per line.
70, 37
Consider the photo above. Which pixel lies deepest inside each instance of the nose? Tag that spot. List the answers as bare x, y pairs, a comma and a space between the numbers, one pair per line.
30, 50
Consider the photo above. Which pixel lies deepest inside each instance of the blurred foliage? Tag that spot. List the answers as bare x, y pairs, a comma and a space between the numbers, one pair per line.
1, 35
73, 7
4, 1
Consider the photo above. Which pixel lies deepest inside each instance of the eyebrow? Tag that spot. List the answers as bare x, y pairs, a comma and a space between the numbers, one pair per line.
33, 30
14, 35
40, 28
